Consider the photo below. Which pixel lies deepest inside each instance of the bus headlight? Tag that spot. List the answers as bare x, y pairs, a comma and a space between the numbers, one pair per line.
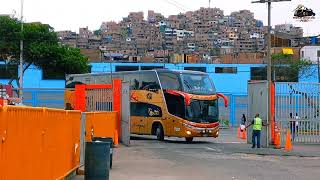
210, 131
217, 133
187, 125
188, 132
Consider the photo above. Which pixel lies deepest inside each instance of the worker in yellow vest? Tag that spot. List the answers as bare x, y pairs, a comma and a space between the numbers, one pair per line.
256, 130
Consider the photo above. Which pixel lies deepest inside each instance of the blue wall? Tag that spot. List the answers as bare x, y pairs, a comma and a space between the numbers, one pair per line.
33, 79
224, 82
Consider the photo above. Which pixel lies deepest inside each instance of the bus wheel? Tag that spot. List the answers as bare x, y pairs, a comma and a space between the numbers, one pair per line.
189, 139
160, 133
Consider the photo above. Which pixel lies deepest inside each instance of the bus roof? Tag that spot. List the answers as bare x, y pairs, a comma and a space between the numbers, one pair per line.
129, 72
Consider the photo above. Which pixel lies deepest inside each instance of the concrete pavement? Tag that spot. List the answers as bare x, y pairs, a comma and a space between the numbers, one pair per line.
224, 158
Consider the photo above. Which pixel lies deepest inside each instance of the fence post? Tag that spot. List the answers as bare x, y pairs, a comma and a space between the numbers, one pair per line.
232, 110
80, 97
117, 86
82, 138
272, 93
34, 96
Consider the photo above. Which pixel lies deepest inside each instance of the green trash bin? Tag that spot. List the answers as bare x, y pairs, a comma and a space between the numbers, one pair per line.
97, 160
109, 140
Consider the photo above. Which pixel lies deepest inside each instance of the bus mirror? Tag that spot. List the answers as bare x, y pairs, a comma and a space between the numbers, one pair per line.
225, 99
186, 96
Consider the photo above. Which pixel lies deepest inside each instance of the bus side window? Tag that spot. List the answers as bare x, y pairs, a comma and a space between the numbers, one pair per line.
134, 80
149, 81
169, 81
145, 110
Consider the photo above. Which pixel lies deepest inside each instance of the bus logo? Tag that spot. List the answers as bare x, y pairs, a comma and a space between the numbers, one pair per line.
149, 96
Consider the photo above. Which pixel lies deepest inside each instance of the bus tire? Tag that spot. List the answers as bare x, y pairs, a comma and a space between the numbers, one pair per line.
189, 139
160, 133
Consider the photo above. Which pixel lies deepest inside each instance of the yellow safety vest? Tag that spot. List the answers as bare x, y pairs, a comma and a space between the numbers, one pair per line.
257, 125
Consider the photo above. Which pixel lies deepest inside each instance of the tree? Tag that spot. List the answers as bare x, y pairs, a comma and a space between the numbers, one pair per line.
41, 48
286, 68
9, 37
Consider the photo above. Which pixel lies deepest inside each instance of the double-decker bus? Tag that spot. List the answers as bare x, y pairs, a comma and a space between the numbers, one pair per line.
165, 102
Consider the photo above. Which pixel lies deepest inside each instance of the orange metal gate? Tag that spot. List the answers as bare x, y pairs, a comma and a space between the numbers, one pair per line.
100, 97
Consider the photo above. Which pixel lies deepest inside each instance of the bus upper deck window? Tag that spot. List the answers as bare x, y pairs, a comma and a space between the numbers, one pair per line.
169, 81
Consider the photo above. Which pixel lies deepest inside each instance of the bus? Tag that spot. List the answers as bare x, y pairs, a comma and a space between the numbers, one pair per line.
166, 103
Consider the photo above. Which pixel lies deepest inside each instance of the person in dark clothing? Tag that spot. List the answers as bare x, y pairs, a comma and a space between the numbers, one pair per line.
243, 122
68, 106
293, 125
243, 119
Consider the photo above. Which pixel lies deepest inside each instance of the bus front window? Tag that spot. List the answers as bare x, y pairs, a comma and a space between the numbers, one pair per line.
197, 84
203, 111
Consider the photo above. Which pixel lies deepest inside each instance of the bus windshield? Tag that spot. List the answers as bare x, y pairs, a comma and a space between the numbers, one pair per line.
201, 111
197, 84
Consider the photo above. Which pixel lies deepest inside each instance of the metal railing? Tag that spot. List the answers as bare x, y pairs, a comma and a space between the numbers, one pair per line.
302, 130
99, 100
54, 98
297, 109
42, 97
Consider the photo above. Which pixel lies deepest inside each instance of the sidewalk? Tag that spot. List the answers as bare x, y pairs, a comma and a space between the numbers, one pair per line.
240, 146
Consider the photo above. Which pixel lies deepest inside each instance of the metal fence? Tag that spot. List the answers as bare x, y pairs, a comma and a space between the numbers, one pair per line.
231, 116
302, 130
99, 100
52, 98
297, 108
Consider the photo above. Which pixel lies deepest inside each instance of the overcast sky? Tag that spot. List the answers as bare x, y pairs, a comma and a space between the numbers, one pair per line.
72, 14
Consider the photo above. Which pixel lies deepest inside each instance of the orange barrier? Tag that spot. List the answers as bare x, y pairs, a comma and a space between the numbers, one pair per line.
239, 133
277, 140
80, 97
38, 143
244, 135
101, 124
288, 145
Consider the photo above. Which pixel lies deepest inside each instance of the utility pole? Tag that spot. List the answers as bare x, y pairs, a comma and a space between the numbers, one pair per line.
269, 74
21, 55
209, 3
318, 57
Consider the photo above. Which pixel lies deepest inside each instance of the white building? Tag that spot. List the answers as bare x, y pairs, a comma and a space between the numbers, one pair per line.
171, 32
191, 46
183, 33
310, 53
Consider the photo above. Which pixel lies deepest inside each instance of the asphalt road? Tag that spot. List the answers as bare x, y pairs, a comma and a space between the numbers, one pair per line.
214, 159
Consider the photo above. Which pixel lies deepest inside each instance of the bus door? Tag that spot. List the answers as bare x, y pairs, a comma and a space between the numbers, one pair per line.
150, 95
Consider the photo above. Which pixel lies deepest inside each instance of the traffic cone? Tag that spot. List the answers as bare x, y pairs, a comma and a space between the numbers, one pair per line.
239, 133
244, 134
288, 146
277, 141
116, 138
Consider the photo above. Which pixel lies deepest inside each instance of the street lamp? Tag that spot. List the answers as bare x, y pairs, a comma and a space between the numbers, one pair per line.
269, 53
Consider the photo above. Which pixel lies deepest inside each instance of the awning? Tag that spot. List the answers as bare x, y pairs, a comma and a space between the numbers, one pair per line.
287, 51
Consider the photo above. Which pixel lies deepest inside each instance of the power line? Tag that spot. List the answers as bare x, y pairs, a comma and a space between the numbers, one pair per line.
177, 5
182, 5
